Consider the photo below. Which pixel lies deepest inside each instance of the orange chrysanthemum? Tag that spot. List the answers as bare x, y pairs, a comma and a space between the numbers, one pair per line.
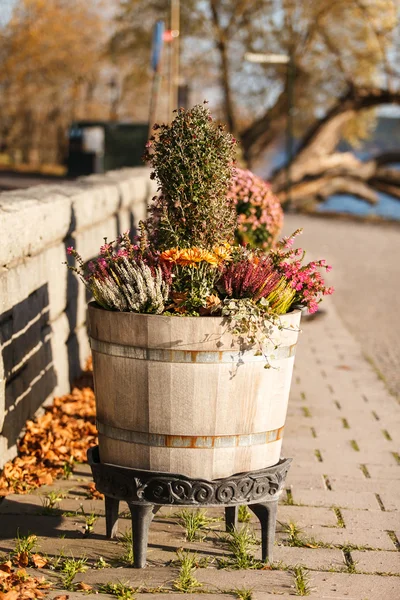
171, 255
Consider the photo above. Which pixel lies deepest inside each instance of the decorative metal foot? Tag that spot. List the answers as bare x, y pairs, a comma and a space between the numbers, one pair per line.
141, 515
266, 513
112, 507
231, 517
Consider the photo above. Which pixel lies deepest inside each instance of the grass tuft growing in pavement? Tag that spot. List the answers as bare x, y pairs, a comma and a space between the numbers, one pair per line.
244, 515
243, 593
186, 581
350, 564
288, 501
51, 501
25, 544
240, 543
295, 539
127, 540
70, 567
122, 591
339, 516
194, 523
301, 580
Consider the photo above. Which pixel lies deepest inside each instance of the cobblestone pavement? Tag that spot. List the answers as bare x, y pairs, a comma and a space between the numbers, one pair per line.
339, 526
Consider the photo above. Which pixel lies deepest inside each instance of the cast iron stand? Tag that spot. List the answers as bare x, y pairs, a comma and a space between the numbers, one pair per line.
146, 491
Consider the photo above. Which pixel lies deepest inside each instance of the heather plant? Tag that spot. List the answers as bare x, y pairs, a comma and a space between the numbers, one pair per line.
193, 162
260, 215
120, 279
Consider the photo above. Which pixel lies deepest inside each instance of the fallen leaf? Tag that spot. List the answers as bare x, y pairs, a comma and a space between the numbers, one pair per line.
21, 559
39, 561
84, 586
61, 597
11, 595
6, 567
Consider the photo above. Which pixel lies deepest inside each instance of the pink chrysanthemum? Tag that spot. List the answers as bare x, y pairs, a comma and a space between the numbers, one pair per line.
260, 215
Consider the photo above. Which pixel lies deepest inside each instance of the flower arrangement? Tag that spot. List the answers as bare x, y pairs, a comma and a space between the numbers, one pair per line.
186, 260
260, 215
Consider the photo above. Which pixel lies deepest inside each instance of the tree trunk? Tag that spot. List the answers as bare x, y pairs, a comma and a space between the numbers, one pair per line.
221, 45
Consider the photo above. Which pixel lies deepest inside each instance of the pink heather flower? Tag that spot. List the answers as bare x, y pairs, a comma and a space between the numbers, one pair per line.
105, 248
70, 250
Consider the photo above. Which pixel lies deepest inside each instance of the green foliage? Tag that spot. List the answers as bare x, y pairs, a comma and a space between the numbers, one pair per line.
301, 581
240, 543
70, 567
122, 591
51, 500
192, 160
244, 515
194, 522
126, 540
186, 581
243, 593
25, 544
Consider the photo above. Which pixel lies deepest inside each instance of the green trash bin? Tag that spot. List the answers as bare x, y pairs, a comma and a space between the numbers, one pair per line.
99, 146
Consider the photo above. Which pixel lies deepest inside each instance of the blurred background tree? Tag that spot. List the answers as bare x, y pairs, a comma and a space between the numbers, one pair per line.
343, 54
51, 55
58, 56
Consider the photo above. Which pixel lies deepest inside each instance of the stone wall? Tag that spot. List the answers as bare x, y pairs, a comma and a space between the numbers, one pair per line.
43, 340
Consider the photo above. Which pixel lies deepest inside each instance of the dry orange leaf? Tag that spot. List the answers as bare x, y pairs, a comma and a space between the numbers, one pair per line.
84, 586
6, 567
21, 559
65, 597
60, 436
39, 561
11, 595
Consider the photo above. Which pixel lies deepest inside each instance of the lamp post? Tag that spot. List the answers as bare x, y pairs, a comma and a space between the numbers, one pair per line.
174, 56
282, 59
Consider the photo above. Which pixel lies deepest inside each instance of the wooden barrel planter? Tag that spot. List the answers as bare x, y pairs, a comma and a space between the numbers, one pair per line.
175, 394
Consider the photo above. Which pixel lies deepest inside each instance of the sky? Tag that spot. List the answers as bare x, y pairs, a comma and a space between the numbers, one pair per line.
6, 7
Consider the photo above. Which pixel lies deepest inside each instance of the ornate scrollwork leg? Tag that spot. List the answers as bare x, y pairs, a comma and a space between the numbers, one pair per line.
231, 517
141, 515
266, 514
112, 507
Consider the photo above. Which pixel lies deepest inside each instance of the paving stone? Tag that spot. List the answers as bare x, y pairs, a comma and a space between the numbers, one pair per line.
343, 536
371, 519
383, 472
348, 499
303, 515
365, 485
346, 586
74, 595
377, 562
348, 455
199, 596
150, 577
321, 559
260, 581
391, 501
333, 468
294, 479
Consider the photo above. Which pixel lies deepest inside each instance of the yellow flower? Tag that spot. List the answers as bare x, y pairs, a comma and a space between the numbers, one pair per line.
223, 253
